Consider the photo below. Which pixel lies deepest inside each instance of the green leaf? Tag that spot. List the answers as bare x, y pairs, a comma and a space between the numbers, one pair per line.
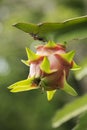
45, 66
69, 111
67, 88
31, 55
75, 28
50, 94
68, 56
23, 85
82, 123
81, 73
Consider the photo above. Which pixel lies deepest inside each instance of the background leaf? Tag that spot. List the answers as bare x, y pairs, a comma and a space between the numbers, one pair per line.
83, 71
70, 110
75, 28
82, 122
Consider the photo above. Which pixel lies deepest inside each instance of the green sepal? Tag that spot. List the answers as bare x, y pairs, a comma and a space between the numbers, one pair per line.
23, 85
26, 62
50, 94
67, 88
75, 66
45, 66
68, 56
31, 55
51, 44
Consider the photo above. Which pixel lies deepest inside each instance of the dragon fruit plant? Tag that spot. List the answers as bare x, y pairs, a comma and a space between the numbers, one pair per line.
49, 70
49, 67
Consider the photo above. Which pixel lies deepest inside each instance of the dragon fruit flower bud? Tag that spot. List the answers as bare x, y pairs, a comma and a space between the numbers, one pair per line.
49, 70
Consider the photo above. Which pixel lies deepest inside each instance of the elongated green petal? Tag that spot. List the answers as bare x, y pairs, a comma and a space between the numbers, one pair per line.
31, 55
50, 94
45, 66
67, 88
26, 62
51, 44
68, 56
75, 66
23, 85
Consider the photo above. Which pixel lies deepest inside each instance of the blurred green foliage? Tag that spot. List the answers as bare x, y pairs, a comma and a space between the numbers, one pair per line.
31, 110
